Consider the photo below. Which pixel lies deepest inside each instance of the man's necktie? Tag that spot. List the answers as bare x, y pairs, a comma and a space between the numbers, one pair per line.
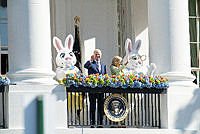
99, 66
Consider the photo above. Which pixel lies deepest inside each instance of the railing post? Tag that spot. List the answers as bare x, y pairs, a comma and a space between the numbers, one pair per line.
2, 90
3, 104
159, 120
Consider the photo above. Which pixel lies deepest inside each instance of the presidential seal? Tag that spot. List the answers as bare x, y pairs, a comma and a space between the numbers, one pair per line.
116, 107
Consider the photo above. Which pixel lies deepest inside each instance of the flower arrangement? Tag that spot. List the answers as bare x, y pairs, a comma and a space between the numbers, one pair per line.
116, 81
4, 80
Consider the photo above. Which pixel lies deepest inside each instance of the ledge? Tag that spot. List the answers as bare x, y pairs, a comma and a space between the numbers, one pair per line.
115, 90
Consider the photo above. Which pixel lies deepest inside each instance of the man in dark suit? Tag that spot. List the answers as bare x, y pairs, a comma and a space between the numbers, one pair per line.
95, 66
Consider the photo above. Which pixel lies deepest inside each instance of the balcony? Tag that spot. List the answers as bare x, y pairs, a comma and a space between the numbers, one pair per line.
144, 107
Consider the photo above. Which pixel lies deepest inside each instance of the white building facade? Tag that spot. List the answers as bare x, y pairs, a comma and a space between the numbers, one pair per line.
162, 25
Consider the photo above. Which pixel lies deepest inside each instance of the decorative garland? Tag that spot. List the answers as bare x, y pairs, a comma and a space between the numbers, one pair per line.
4, 80
116, 81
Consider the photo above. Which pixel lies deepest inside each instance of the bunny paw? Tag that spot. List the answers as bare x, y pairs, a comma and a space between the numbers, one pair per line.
152, 68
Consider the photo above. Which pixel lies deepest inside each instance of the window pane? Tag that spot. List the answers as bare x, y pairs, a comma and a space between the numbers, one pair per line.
198, 29
193, 53
198, 77
192, 8
195, 74
198, 2
193, 30
3, 12
3, 34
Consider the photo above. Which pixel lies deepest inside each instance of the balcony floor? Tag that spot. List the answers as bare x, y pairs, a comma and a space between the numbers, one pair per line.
107, 130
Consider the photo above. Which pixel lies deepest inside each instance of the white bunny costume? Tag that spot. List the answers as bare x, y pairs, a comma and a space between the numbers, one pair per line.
65, 61
65, 58
135, 64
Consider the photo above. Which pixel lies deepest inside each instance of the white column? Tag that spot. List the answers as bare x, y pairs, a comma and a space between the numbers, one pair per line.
170, 51
169, 38
29, 41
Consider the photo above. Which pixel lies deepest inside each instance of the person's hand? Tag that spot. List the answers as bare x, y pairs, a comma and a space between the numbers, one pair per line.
92, 58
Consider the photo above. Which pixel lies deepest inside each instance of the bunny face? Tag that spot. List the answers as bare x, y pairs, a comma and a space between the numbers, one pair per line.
135, 62
65, 57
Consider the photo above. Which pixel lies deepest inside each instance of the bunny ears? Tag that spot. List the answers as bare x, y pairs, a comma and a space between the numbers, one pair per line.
132, 48
69, 42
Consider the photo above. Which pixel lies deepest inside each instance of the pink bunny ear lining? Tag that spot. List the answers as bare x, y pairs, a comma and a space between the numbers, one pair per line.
138, 46
69, 43
129, 46
58, 45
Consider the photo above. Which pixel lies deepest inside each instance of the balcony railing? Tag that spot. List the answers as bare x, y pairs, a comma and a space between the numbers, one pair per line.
144, 107
2, 106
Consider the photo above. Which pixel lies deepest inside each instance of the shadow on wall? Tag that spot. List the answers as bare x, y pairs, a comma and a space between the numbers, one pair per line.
40, 114
59, 92
186, 115
140, 16
30, 116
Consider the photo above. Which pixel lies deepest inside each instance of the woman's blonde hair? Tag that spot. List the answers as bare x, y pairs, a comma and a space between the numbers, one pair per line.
116, 60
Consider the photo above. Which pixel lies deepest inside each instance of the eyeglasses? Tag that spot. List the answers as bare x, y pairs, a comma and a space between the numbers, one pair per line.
136, 57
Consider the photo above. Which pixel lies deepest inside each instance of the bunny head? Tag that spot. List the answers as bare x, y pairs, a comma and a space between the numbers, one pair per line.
65, 57
135, 60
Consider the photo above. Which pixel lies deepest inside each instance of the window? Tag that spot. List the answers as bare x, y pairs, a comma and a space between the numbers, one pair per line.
3, 40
